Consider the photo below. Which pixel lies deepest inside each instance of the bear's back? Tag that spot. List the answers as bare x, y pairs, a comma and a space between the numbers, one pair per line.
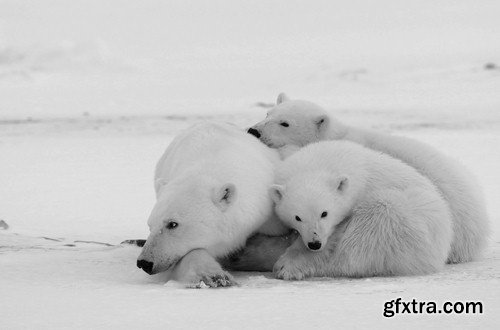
215, 147
373, 169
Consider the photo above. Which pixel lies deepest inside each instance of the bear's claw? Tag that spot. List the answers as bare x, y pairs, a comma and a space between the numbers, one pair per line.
220, 281
285, 274
215, 281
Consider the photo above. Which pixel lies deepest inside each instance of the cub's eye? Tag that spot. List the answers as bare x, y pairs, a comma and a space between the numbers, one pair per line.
171, 225
297, 218
324, 214
284, 124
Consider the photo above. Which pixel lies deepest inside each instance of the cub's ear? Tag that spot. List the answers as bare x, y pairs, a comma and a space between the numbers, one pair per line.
276, 192
160, 183
224, 196
321, 122
282, 98
340, 183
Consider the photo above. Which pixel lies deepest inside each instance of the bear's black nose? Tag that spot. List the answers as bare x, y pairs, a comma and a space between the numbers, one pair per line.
254, 132
314, 245
145, 265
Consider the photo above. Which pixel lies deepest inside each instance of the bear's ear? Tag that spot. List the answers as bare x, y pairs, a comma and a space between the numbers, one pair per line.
276, 192
160, 183
282, 98
340, 183
321, 123
224, 196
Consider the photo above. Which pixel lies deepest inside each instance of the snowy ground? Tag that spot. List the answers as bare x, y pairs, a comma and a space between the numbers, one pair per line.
91, 181
92, 92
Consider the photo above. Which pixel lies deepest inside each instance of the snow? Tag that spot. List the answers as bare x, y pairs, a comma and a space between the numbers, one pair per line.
99, 287
66, 58
92, 92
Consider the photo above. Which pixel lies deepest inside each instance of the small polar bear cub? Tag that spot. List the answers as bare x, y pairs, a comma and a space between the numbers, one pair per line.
212, 194
292, 124
359, 213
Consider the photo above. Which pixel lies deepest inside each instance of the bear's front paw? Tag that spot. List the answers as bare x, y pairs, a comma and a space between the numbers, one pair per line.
289, 269
215, 280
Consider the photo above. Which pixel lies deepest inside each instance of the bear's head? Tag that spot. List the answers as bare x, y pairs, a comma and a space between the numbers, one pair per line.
187, 216
313, 204
295, 122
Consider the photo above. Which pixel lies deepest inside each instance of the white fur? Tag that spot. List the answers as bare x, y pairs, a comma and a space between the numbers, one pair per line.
456, 184
212, 180
373, 214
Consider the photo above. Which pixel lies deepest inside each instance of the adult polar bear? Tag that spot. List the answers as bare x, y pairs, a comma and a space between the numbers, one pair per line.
212, 194
298, 123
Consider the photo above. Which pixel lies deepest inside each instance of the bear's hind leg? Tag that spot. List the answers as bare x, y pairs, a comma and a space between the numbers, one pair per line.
396, 233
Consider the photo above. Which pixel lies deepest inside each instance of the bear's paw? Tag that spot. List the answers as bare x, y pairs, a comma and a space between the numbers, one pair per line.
289, 269
217, 280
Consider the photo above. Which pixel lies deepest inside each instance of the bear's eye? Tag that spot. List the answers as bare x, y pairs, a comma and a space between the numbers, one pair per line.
297, 218
284, 124
324, 214
172, 225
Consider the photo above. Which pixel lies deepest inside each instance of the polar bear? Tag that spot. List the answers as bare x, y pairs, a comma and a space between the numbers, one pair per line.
212, 194
298, 123
359, 213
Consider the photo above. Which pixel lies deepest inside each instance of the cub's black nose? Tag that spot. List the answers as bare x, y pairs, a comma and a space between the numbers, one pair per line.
254, 132
145, 265
314, 245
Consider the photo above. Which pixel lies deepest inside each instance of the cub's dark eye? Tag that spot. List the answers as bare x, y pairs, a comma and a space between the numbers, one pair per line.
284, 124
324, 214
297, 218
171, 225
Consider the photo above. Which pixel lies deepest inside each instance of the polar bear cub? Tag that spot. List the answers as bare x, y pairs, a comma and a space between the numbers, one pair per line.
212, 194
298, 123
359, 213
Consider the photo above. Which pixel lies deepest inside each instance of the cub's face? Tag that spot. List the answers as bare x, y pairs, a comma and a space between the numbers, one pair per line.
291, 123
184, 219
312, 208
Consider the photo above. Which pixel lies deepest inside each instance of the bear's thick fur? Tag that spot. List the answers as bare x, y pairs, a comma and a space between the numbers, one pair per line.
359, 213
212, 194
295, 122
